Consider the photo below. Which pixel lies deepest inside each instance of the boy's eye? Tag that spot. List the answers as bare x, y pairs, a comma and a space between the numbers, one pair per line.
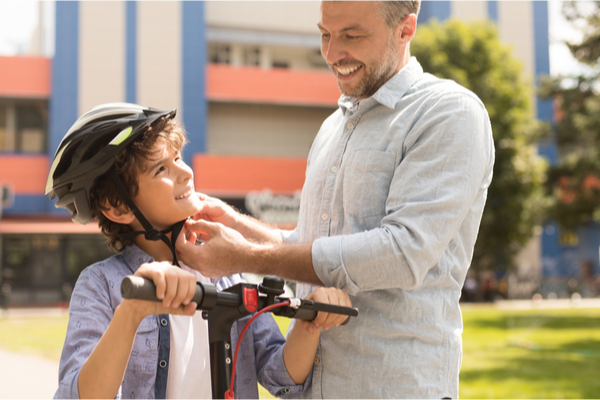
159, 170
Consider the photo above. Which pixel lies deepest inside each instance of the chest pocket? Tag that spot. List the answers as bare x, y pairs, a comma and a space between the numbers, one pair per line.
367, 182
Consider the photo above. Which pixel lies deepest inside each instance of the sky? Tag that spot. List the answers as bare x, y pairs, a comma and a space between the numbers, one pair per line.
19, 18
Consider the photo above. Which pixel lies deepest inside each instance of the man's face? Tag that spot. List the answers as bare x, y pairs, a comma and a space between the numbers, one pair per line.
166, 190
358, 46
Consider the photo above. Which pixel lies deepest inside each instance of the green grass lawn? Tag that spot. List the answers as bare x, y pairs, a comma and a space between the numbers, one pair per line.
40, 336
507, 354
530, 354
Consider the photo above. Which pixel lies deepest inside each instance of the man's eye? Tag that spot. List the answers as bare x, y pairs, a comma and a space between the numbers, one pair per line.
324, 36
350, 37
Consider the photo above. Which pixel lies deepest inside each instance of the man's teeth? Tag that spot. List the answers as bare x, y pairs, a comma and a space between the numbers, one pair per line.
347, 71
186, 194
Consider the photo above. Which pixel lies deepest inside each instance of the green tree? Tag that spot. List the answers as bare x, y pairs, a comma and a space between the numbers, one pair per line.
473, 56
575, 180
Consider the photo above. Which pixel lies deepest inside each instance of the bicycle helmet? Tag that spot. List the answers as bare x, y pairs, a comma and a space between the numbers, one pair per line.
89, 150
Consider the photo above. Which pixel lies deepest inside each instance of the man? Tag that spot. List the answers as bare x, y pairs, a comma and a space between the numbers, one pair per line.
395, 188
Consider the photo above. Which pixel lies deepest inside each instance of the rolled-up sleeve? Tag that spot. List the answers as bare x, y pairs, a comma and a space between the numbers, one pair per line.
443, 174
268, 343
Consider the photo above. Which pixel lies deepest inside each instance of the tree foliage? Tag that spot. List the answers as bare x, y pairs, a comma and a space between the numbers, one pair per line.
473, 56
575, 180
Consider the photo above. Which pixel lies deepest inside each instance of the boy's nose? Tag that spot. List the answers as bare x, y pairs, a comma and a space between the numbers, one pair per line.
185, 172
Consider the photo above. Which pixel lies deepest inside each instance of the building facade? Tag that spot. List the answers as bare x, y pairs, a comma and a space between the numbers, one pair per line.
251, 89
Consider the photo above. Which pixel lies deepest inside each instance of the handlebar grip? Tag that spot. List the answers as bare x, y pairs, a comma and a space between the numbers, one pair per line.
136, 287
334, 309
206, 295
310, 315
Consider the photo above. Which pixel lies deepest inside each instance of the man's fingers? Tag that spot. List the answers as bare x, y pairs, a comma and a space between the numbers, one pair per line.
201, 226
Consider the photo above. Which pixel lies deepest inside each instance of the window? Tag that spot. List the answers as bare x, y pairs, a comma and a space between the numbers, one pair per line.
43, 268
3, 131
23, 126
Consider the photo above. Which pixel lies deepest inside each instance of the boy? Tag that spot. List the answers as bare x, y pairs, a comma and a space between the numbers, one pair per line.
121, 164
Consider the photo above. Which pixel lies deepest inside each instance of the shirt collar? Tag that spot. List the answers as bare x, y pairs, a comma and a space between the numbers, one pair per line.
392, 91
134, 257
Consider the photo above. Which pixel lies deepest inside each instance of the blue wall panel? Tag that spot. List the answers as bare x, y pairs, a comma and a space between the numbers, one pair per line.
131, 52
64, 97
31, 204
492, 7
194, 88
439, 10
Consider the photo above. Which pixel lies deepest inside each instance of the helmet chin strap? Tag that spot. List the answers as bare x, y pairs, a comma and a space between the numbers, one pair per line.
149, 232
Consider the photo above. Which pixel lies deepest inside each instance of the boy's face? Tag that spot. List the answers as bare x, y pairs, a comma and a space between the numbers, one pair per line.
166, 190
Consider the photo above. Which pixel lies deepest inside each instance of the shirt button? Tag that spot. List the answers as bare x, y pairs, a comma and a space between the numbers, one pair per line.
334, 169
163, 322
286, 390
162, 363
324, 217
350, 125
317, 360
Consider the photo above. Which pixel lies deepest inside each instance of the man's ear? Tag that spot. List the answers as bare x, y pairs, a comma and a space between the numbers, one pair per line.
406, 29
121, 215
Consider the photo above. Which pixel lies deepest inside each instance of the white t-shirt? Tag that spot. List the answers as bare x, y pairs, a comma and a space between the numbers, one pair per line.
189, 362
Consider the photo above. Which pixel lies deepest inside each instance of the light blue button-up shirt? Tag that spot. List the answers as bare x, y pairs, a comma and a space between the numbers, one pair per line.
95, 298
395, 189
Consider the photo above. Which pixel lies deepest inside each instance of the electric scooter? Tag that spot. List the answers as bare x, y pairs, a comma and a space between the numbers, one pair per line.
223, 308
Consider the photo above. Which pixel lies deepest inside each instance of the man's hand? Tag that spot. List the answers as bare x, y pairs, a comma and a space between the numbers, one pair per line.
215, 210
224, 251
174, 286
327, 320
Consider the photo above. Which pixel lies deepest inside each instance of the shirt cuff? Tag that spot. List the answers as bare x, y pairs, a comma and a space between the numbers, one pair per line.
278, 380
289, 236
329, 264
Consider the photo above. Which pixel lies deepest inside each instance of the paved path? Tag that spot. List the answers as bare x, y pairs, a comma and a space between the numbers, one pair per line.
24, 376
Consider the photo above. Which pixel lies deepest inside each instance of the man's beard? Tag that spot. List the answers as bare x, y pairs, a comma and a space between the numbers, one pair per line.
375, 78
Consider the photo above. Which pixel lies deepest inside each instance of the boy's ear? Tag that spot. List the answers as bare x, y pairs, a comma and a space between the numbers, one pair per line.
122, 215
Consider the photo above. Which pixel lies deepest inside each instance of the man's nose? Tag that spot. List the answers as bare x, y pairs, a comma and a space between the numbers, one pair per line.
333, 51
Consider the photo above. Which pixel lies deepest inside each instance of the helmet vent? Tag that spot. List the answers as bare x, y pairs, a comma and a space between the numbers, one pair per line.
105, 126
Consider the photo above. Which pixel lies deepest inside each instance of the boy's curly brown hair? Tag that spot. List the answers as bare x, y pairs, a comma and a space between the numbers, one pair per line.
130, 162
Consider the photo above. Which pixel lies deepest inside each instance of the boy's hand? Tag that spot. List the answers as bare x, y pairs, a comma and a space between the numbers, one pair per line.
327, 320
174, 286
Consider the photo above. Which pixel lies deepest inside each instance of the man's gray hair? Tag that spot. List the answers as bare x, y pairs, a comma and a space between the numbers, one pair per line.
394, 11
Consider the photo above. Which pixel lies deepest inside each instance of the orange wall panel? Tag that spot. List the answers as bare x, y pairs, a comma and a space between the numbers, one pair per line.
26, 174
275, 85
236, 176
25, 77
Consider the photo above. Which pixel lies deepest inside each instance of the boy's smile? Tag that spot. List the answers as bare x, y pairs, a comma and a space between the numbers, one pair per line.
166, 190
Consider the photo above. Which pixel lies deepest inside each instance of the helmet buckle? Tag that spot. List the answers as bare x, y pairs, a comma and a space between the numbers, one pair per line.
152, 234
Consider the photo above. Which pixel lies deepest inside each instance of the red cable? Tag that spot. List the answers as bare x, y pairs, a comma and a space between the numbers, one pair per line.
229, 393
